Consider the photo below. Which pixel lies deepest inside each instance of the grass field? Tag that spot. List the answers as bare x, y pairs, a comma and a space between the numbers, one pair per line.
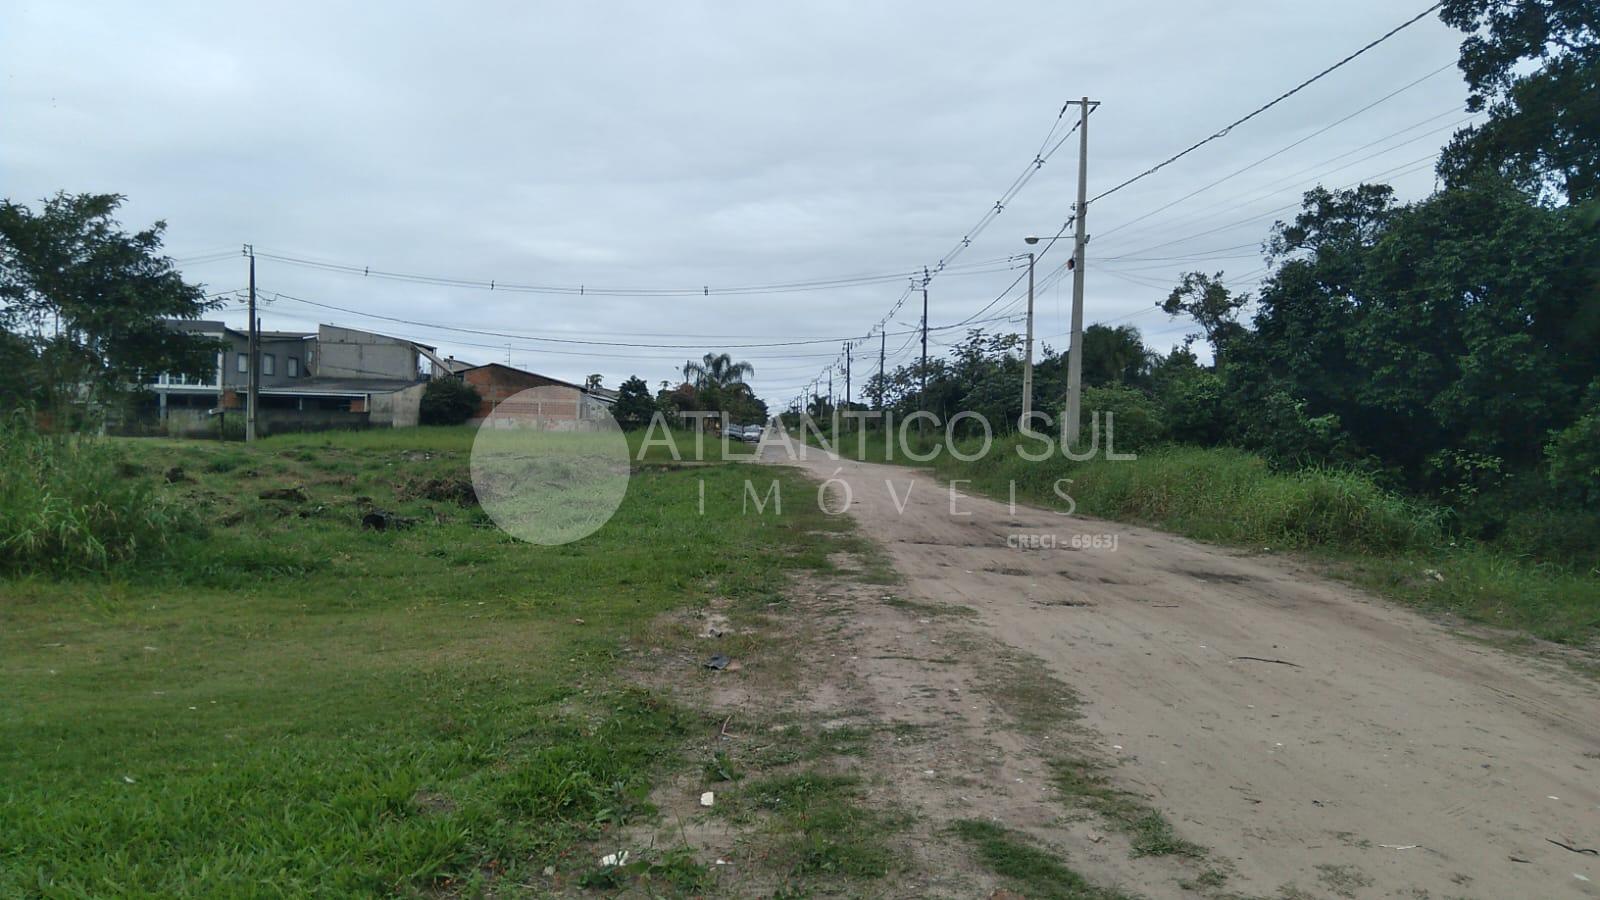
293, 705
1394, 545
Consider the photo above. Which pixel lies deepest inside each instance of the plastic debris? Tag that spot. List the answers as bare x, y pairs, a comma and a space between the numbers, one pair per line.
708, 798
720, 661
620, 858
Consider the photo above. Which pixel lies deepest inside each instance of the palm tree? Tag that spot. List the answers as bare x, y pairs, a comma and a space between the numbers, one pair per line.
716, 371
716, 377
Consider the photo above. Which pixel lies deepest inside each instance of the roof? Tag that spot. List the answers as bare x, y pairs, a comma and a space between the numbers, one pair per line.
341, 386
387, 337
507, 368
195, 325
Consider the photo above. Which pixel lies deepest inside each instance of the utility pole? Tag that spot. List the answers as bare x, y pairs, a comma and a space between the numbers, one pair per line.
1027, 355
1073, 425
922, 389
252, 356
830, 387
847, 353
883, 344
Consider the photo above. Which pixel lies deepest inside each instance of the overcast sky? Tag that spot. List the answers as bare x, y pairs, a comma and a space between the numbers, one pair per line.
681, 145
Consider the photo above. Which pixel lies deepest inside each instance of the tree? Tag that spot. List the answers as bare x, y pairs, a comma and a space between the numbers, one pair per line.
448, 401
85, 302
713, 376
635, 406
1208, 301
1534, 66
593, 381
1114, 356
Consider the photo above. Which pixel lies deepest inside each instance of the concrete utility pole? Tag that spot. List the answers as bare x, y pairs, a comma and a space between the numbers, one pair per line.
883, 344
922, 389
1027, 354
830, 388
252, 356
847, 351
1073, 424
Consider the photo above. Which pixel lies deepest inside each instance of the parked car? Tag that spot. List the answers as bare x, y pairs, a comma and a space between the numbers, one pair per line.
751, 434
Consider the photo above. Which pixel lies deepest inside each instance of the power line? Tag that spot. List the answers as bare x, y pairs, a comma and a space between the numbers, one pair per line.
1226, 129
529, 337
1292, 181
584, 290
1282, 150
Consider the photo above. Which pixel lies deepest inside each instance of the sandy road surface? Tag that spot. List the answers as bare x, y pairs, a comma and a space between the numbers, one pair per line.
1393, 759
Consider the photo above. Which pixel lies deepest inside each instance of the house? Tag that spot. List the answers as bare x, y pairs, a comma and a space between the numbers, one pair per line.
335, 377
550, 401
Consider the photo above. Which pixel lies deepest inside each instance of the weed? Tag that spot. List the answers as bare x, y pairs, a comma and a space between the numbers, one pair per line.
70, 503
1033, 872
1080, 782
1344, 881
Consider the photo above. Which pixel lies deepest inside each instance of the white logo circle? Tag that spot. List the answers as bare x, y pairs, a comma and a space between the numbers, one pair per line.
550, 465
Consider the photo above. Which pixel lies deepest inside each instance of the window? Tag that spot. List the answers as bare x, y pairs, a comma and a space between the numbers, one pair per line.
266, 363
293, 367
244, 362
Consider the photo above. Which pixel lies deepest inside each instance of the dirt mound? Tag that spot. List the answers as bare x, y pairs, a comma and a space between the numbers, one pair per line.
444, 490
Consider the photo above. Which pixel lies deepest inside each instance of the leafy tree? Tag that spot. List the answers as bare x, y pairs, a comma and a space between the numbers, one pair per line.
713, 376
1464, 322
1534, 66
448, 401
83, 303
742, 406
1114, 356
1574, 455
634, 407
1208, 301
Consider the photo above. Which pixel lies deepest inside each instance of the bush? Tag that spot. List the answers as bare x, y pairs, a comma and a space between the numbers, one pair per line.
70, 503
1280, 429
1195, 407
448, 401
1574, 457
1129, 420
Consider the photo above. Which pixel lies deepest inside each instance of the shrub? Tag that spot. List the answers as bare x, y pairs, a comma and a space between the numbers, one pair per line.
1279, 427
1195, 407
1135, 420
448, 401
69, 503
1574, 457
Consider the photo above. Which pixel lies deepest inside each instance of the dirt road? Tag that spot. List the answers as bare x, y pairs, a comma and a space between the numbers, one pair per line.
1319, 741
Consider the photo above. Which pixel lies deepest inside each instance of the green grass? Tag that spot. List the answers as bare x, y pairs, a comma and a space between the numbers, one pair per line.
1081, 783
1033, 872
825, 829
1372, 537
297, 706
77, 504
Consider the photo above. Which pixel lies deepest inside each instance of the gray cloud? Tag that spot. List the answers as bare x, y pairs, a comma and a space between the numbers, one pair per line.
651, 144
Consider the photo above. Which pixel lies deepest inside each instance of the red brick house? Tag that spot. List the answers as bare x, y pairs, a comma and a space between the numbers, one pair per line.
555, 399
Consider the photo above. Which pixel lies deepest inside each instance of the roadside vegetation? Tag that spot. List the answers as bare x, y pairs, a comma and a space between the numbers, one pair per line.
1414, 389
277, 695
1402, 546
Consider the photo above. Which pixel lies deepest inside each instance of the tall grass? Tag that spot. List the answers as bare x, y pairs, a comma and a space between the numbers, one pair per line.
1217, 494
70, 502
